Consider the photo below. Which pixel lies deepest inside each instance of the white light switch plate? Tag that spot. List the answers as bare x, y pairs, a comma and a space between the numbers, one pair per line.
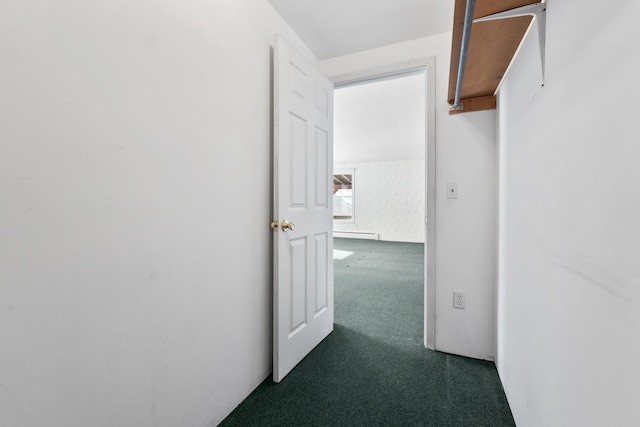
452, 190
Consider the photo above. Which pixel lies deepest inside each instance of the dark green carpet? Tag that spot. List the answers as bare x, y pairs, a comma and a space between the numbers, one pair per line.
373, 370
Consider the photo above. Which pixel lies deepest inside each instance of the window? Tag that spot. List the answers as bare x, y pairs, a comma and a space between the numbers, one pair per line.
343, 196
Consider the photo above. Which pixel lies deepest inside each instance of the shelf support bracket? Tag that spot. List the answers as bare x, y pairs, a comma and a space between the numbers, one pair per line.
538, 11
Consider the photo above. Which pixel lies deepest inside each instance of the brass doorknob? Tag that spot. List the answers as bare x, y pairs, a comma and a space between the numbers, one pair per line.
286, 225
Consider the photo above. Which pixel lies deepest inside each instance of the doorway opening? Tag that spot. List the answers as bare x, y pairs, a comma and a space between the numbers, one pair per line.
383, 145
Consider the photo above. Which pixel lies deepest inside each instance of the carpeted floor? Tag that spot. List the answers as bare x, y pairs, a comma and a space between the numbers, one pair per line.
379, 291
373, 370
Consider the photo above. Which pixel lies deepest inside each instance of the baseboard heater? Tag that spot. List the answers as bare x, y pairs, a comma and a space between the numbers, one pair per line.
368, 235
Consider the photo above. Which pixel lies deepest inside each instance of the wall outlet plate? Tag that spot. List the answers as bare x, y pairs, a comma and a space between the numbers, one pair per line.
459, 300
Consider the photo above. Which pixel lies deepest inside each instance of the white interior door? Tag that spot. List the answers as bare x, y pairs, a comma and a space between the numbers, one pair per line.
303, 251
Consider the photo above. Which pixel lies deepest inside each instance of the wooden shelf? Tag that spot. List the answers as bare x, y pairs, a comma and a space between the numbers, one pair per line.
491, 48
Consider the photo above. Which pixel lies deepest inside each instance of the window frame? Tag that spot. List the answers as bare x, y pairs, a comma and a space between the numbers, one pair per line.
352, 173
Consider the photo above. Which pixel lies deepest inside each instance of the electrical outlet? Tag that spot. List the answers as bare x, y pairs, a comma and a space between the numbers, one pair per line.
459, 300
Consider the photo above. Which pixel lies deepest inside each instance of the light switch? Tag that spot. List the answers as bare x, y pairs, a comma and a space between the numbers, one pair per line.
452, 190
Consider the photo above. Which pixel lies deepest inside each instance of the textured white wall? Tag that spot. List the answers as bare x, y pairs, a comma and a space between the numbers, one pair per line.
125, 297
569, 293
466, 227
390, 199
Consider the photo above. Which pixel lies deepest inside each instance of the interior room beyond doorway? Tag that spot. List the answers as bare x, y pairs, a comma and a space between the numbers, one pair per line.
379, 137
379, 182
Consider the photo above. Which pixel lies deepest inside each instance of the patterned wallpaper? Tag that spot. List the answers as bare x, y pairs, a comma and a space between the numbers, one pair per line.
389, 199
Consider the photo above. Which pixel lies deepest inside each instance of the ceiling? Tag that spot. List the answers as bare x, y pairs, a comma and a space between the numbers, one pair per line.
338, 27
380, 121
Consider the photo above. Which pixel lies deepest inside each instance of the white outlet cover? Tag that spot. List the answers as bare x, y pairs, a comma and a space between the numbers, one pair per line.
459, 300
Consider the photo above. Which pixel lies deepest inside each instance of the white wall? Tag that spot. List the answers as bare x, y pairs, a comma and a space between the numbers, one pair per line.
466, 227
389, 199
569, 297
127, 129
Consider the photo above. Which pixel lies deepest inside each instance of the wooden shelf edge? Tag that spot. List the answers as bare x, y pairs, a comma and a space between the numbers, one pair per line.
476, 104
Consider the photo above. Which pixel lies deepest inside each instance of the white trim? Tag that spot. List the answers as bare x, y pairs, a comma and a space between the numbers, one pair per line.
365, 235
430, 180
393, 70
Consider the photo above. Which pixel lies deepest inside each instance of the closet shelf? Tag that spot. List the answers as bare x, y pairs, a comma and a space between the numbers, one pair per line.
492, 45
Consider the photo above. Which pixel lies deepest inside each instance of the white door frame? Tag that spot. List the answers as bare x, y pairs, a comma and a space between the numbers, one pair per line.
429, 64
